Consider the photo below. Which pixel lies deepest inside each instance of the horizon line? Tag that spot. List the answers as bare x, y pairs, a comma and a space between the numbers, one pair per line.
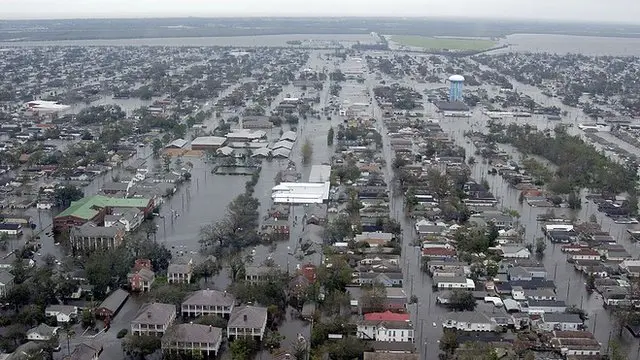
308, 16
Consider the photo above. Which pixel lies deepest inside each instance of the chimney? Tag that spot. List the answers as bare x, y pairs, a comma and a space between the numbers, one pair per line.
245, 317
210, 328
149, 314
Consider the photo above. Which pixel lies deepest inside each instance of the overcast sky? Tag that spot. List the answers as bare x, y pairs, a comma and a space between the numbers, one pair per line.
627, 11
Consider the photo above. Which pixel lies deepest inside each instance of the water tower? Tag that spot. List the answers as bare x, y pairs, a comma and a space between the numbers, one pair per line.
455, 91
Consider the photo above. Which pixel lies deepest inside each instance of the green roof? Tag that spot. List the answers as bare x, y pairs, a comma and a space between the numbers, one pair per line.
86, 208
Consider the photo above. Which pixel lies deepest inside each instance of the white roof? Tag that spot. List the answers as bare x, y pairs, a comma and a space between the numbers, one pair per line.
179, 143
209, 140
246, 134
456, 78
289, 135
300, 193
281, 152
283, 144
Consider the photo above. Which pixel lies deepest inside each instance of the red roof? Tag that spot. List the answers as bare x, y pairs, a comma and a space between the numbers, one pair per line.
438, 251
386, 316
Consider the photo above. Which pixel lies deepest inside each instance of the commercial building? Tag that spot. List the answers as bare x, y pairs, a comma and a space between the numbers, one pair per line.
208, 143
89, 237
300, 193
94, 208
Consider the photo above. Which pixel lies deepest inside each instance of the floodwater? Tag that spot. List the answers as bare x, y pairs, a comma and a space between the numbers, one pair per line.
312, 40
563, 44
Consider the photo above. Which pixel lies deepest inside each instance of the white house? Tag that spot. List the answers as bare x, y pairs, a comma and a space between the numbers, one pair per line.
560, 321
584, 254
42, 332
515, 252
386, 327
469, 321
453, 282
546, 306
62, 313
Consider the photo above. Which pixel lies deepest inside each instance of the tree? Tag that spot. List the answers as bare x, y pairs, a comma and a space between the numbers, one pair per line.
69, 333
156, 147
88, 318
347, 348
574, 201
330, 136
462, 300
449, 342
243, 348
272, 339
206, 269
166, 162
307, 152
140, 346
374, 298
63, 196
541, 246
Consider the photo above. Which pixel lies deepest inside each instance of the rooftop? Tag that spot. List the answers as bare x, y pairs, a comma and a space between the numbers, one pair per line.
248, 317
208, 141
88, 207
155, 313
210, 297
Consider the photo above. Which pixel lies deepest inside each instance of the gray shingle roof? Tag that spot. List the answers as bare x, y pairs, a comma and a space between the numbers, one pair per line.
155, 314
210, 297
248, 317
193, 333
114, 300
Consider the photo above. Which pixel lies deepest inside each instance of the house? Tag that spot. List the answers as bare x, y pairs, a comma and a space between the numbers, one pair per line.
374, 239
386, 279
583, 254
515, 252
62, 313
424, 227
110, 306
89, 237
570, 343
439, 253
6, 282
10, 229
453, 282
560, 321
541, 294
180, 273
526, 273
545, 306
386, 326
247, 321
469, 321
131, 219
142, 277
153, 319
208, 302
190, 339
84, 351
42, 332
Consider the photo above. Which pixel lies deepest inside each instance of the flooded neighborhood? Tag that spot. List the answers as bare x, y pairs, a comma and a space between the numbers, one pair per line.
319, 196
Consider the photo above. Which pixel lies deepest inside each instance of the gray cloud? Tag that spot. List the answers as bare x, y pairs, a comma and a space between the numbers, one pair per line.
574, 10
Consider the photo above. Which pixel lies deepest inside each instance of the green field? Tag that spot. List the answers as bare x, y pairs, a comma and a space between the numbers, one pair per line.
432, 43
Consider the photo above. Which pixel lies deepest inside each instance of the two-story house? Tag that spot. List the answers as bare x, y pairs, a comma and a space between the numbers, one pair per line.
180, 273
153, 319
247, 321
560, 321
386, 327
469, 321
208, 302
142, 277
62, 313
189, 339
